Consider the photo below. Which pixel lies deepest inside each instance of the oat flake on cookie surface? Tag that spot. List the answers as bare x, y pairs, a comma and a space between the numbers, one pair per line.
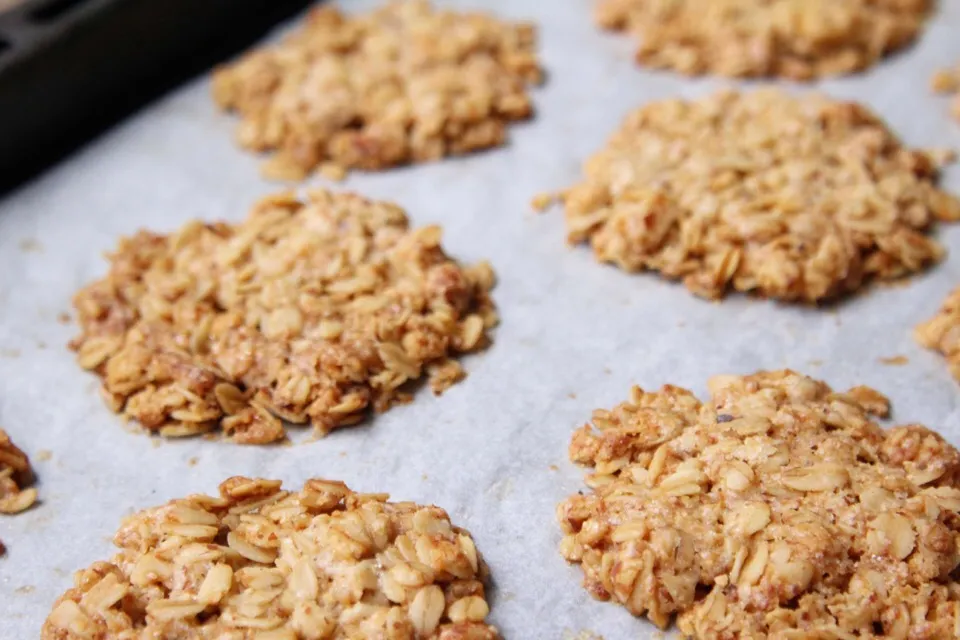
259, 562
942, 332
404, 83
797, 39
795, 198
310, 311
778, 509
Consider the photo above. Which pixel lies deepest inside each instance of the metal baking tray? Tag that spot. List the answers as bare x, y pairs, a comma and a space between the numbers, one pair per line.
69, 68
574, 335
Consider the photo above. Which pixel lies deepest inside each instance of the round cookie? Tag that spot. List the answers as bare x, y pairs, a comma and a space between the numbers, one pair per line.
309, 311
797, 39
260, 562
777, 509
795, 198
404, 83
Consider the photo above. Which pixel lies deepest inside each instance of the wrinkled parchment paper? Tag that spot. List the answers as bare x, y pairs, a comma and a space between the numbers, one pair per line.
492, 451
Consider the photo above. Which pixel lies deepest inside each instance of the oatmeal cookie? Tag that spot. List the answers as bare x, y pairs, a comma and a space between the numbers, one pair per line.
309, 311
797, 39
778, 509
258, 561
795, 198
404, 83
942, 332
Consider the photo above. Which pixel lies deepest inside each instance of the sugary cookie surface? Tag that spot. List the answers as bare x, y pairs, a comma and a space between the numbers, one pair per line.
309, 311
796, 198
779, 509
942, 332
261, 562
798, 39
404, 83
15, 476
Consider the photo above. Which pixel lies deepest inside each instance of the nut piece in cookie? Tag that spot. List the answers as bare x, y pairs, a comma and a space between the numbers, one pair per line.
309, 311
942, 332
775, 509
797, 39
795, 198
260, 561
16, 475
404, 83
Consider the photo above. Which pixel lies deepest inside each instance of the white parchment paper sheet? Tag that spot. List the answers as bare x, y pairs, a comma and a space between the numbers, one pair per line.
575, 335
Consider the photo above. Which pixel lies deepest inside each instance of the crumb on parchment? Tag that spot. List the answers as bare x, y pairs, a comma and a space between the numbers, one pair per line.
777, 505
310, 311
947, 82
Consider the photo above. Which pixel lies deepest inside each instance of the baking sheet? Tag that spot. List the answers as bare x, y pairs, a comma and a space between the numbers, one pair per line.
492, 451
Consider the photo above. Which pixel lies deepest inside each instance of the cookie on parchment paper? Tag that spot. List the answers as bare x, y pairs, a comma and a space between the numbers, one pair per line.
258, 561
778, 509
310, 311
404, 83
795, 198
797, 39
942, 332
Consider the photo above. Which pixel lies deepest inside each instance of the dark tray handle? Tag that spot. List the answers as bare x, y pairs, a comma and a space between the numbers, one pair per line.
70, 68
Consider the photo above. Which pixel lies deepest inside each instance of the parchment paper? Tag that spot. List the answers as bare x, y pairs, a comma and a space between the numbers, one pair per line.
492, 451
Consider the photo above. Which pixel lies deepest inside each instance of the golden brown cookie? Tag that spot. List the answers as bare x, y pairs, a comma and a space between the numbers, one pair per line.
404, 83
796, 198
310, 311
262, 562
778, 509
797, 39
942, 332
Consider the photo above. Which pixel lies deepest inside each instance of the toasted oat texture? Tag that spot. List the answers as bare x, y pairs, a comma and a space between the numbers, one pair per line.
942, 332
797, 39
778, 510
800, 199
308, 311
405, 83
260, 562
15, 475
